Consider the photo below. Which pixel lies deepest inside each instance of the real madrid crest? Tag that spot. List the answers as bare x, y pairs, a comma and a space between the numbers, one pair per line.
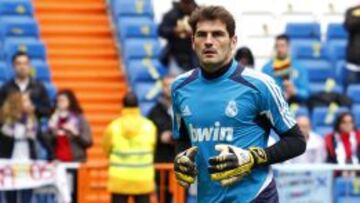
231, 109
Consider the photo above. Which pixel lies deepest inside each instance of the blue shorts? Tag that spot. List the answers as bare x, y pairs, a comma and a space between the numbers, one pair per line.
268, 195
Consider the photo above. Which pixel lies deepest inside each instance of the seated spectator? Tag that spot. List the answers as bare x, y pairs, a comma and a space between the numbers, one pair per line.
287, 73
343, 145
352, 25
23, 82
160, 115
70, 133
245, 57
18, 136
178, 54
129, 143
315, 148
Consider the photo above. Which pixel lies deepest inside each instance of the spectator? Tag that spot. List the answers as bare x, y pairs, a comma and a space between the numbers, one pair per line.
178, 54
129, 142
160, 115
18, 136
70, 132
245, 57
287, 73
343, 145
352, 25
23, 82
315, 148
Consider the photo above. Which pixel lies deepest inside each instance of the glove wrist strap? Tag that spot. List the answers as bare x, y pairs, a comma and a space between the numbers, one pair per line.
259, 155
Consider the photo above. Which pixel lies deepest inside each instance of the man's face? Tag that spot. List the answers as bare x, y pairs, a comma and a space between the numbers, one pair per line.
167, 81
281, 48
22, 67
304, 125
212, 44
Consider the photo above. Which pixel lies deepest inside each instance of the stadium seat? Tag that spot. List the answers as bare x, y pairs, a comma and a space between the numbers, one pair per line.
141, 48
319, 70
340, 71
356, 112
146, 107
51, 90
319, 87
145, 70
345, 190
147, 91
309, 50
16, 7
301, 111
295, 6
37, 48
323, 130
336, 50
259, 25
132, 8
18, 27
3, 72
42, 73
303, 30
137, 28
353, 91
336, 31
320, 116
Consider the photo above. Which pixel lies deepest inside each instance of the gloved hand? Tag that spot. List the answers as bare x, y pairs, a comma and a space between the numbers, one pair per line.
185, 168
233, 163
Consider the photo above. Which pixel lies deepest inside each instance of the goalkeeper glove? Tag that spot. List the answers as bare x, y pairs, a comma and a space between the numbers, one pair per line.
185, 168
233, 163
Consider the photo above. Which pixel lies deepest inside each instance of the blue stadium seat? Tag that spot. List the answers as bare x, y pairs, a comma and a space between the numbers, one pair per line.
16, 7
42, 73
319, 87
14, 45
336, 50
353, 91
3, 72
319, 116
146, 107
336, 31
51, 90
145, 70
340, 71
147, 91
309, 50
137, 28
18, 27
319, 70
323, 130
303, 30
132, 8
356, 112
345, 190
301, 111
141, 48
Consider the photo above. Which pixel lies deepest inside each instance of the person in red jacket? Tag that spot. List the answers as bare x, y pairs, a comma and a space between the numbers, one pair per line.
343, 145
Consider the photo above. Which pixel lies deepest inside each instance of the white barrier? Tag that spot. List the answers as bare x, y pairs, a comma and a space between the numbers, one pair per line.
16, 175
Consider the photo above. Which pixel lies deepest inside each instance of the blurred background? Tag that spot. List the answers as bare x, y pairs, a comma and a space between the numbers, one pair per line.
67, 67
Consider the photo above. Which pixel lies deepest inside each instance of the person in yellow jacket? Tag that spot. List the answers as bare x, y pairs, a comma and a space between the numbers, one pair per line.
129, 142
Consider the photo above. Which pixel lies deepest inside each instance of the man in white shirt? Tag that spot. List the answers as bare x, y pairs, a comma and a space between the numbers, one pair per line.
315, 147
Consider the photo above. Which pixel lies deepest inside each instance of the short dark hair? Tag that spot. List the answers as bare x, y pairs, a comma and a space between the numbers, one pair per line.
74, 105
213, 13
245, 52
19, 54
339, 119
130, 100
283, 37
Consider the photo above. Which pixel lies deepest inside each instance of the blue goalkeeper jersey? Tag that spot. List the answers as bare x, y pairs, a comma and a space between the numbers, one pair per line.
238, 108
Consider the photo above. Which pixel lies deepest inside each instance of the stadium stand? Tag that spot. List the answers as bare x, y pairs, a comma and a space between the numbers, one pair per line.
140, 48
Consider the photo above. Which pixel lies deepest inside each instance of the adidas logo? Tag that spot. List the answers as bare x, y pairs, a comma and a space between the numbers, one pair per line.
186, 111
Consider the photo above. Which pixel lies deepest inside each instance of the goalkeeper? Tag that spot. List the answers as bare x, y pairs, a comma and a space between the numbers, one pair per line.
223, 114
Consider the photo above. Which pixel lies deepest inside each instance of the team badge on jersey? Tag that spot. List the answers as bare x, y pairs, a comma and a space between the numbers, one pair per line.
231, 109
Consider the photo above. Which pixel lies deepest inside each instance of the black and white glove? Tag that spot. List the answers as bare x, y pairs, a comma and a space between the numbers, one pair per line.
185, 168
233, 163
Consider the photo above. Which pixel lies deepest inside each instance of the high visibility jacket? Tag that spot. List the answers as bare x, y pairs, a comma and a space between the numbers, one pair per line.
129, 142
